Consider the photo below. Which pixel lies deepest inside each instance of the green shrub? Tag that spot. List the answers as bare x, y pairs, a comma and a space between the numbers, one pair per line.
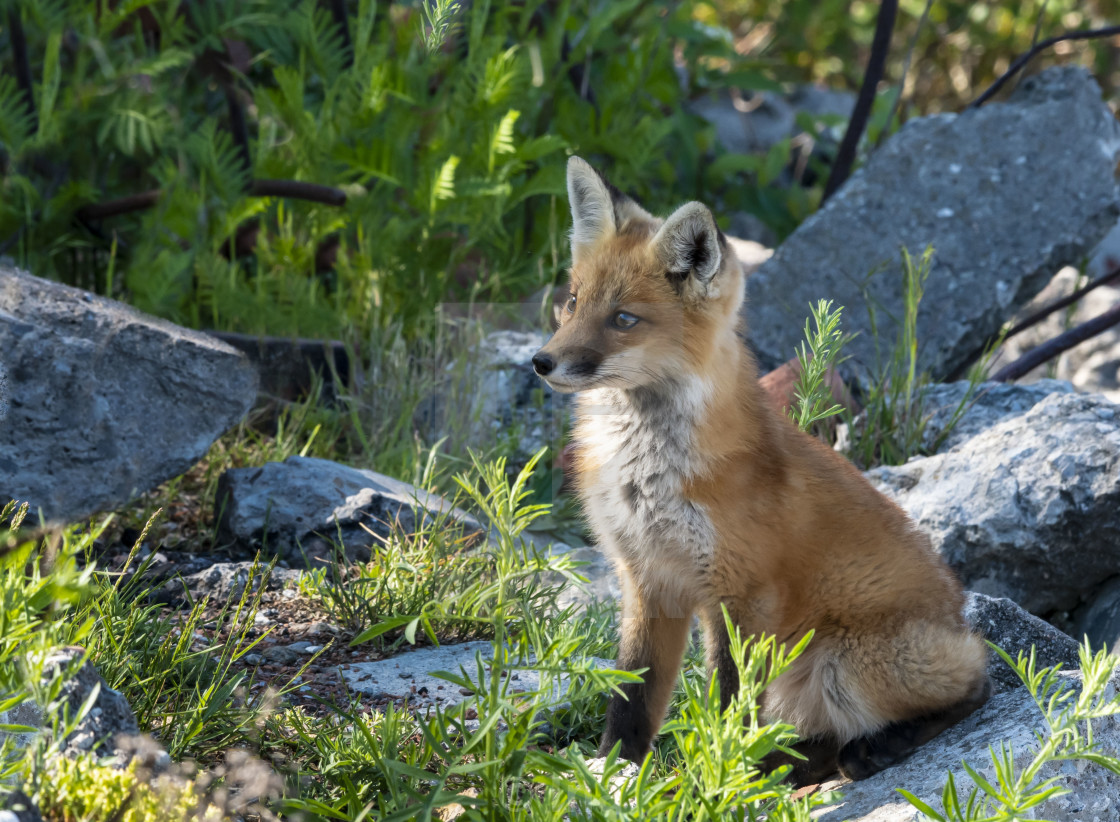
449, 144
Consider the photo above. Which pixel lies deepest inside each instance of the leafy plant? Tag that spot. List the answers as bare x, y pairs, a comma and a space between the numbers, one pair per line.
489, 587
892, 426
816, 359
81, 790
1020, 787
184, 688
440, 128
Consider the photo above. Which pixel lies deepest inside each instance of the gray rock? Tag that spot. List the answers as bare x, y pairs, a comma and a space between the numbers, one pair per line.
755, 125
3, 392
1028, 509
104, 402
18, 807
513, 398
991, 402
492, 397
109, 729
1099, 618
26, 714
602, 583
223, 581
281, 655
297, 506
1011, 717
1007, 195
397, 676
1005, 624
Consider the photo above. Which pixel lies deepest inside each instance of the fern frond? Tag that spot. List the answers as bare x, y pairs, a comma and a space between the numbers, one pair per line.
16, 122
443, 186
501, 142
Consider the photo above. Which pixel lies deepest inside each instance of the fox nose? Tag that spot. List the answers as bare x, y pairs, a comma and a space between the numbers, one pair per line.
543, 364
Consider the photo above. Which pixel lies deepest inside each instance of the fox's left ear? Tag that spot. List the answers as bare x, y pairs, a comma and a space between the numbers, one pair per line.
599, 210
689, 246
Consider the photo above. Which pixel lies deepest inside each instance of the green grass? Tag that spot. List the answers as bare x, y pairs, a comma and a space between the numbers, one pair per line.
499, 754
890, 428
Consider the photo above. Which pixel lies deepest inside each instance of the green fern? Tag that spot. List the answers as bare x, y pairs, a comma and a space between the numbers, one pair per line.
16, 123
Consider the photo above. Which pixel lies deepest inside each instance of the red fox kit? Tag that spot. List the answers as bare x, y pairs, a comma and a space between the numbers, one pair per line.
704, 495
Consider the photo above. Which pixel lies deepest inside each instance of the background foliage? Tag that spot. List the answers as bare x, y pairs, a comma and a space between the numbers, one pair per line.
445, 125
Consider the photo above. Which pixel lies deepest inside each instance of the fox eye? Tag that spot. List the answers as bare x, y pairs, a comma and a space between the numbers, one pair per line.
571, 304
624, 320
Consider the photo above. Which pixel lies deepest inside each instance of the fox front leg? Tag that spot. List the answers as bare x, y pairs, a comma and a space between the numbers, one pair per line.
654, 638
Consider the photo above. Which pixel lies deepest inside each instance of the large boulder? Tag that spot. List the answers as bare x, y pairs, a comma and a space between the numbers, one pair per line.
1007, 626
953, 416
492, 398
1028, 508
1098, 619
1012, 718
1007, 194
104, 402
298, 507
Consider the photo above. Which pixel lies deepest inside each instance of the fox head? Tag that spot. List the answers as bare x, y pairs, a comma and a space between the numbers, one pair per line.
649, 300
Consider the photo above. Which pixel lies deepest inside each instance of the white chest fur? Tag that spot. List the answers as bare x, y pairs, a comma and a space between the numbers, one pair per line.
642, 444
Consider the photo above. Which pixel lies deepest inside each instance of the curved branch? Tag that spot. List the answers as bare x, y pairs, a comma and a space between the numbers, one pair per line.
1034, 319
295, 190
123, 205
1063, 342
288, 189
1017, 66
22, 64
876, 65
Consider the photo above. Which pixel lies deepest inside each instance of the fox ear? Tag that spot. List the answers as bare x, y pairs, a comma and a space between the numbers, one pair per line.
688, 244
598, 209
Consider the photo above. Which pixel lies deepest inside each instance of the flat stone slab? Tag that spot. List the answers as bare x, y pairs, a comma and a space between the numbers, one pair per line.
1007, 194
410, 676
103, 402
298, 506
1011, 717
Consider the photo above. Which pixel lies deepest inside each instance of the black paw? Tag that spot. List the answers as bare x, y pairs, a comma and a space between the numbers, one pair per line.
868, 755
631, 749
